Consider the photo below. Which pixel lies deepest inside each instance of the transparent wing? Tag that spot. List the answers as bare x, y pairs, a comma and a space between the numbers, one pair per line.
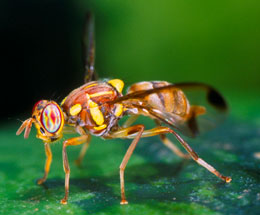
202, 95
88, 44
207, 107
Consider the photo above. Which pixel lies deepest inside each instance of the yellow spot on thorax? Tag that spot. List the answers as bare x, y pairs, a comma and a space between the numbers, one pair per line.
75, 109
118, 84
95, 113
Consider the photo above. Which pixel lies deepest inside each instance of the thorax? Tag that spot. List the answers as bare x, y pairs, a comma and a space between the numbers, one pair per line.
89, 107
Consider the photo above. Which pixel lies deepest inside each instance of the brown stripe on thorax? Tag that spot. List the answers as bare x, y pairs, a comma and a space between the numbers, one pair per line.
101, 93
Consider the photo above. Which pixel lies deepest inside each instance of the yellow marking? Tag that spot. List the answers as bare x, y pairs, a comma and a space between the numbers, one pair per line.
75, 109
92, 104
91, 85
100, 94
96, 114
118, 84
63, 101
119, 110
98, 128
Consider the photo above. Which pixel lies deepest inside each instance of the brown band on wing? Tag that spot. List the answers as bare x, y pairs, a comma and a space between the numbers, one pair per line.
215, 99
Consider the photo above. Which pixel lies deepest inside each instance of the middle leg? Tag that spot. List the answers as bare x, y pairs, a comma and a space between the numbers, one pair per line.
123, 133
83, 152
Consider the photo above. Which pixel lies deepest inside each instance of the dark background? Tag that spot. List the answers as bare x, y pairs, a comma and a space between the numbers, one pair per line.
213, 42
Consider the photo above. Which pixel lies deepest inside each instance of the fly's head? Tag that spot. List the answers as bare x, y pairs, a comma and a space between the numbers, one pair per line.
48, 120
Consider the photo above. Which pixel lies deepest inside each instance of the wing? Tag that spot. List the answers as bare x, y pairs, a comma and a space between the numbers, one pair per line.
203, 95
88, 44
207, 107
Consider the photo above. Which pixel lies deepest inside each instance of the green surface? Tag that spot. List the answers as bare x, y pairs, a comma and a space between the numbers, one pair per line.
157, 182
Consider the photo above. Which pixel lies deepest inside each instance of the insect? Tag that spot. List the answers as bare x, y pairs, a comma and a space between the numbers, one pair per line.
96, 107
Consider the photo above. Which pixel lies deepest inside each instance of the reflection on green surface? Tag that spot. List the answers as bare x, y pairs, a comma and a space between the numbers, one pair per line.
157, 182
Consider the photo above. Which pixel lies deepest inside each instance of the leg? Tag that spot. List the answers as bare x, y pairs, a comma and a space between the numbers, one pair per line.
130, 121
171, 145
163, 138
138, 130
47, 163
80, 131
83, 152
199, 160
163, 130
70, 142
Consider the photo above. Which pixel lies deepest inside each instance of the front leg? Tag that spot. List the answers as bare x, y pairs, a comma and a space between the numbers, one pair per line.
70, 142
47, 163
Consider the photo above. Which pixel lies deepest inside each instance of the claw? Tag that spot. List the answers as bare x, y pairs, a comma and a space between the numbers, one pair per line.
40, 181
64, 201
124, 202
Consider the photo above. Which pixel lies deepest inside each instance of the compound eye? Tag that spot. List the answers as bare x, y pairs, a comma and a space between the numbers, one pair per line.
51, 118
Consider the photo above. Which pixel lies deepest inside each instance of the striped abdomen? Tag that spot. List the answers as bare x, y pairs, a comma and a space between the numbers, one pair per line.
168, 100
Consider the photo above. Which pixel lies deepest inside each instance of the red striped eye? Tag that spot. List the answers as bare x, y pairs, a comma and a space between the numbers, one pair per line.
51, 118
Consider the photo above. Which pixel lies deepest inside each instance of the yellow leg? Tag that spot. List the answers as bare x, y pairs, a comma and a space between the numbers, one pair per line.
83, 152
138, 130
163, 137
171, 145
200, 161
70, 142
80, 131
163, 130
173, 148
47, 163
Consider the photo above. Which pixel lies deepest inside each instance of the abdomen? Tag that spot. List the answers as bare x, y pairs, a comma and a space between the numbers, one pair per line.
169, 100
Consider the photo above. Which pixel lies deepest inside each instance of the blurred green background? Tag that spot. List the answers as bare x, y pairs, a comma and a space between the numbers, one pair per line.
213, 42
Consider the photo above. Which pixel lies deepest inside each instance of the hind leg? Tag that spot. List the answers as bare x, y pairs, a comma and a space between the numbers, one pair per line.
164, 130
169, 144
